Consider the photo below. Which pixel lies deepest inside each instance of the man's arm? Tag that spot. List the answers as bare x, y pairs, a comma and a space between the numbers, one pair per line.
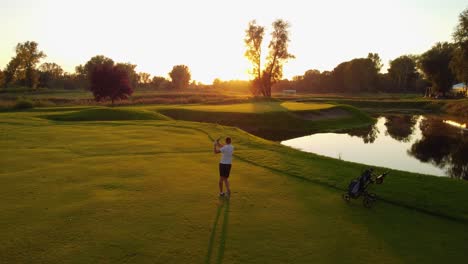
217, 146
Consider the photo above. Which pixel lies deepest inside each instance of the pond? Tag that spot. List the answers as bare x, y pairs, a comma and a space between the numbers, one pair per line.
423, 144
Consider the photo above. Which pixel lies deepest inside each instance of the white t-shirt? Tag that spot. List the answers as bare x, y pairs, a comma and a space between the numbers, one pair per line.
226, 150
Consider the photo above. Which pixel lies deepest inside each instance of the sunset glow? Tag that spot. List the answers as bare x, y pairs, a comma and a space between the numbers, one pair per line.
208, 35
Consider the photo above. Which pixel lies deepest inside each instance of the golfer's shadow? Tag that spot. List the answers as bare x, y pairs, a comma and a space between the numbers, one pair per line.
223, 205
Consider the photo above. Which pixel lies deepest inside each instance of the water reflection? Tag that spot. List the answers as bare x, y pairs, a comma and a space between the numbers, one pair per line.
400, 127
455, 124
368, 134
428, 145
444, 146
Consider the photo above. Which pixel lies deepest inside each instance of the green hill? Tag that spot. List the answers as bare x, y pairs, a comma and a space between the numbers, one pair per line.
107, 114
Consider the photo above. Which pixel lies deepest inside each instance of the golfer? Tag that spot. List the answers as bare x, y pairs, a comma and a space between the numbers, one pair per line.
224, 164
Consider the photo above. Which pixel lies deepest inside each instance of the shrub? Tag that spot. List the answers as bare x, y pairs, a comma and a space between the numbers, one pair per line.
110, 82
24, 104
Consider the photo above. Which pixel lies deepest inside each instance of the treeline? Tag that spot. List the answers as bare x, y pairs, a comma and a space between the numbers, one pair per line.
360, 75
240, 85
433, 72
23, 70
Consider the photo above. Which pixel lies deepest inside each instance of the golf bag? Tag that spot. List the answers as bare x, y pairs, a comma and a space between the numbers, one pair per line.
356, 186
359, 186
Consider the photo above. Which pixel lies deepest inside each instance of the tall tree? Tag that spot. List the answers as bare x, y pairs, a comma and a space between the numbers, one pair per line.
253, 40
460, 35
435, 65
459, 63
110, 82
180, 76
29, 57
22, 67
278, 54
403, 72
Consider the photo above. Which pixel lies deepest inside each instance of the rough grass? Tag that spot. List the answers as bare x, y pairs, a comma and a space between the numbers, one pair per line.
458, 108
139, 97
146, 191
107, 114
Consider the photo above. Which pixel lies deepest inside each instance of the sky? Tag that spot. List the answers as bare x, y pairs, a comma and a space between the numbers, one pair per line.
207, 35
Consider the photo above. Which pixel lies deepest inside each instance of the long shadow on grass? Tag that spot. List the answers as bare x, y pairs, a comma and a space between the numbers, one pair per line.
224, 203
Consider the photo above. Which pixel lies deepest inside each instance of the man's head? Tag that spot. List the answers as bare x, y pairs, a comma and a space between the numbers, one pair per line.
228, 140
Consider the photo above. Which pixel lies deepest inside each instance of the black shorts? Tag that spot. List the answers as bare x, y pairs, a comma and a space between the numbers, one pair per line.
224, 170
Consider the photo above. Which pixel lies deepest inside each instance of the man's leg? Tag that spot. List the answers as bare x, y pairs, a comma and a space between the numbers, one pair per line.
221, 184
226, 182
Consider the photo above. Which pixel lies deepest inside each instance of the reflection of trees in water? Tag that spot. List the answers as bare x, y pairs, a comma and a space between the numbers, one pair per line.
400, 127
368, 134
459, 158
443, 146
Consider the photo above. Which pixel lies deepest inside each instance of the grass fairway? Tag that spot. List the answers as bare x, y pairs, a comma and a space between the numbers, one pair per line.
145, 191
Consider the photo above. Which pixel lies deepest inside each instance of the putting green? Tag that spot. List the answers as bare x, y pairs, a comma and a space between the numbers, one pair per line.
146, 191
258, 107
